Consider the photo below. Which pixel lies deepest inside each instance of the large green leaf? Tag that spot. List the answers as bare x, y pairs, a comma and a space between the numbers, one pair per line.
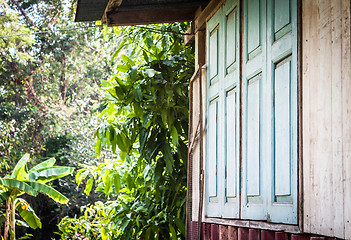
168, 158
28, 214
21, 224
16, 184
89, 186
107, 182
21, 164
48, 163
22, 174
172, 232
49, 191
50, 173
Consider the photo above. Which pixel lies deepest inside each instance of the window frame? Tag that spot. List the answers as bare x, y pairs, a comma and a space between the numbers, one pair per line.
259, 223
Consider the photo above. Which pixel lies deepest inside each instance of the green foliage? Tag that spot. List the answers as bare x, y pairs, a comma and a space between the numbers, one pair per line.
20, 119
89, 225
146, 123
48, 96
13, 47
30, 182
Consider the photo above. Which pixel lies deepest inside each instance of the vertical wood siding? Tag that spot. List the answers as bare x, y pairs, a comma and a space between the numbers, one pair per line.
196, 125
326, 117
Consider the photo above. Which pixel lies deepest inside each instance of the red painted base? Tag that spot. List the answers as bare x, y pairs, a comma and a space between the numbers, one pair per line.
223, 232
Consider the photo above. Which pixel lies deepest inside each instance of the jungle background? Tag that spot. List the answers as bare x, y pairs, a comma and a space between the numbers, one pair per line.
110, 102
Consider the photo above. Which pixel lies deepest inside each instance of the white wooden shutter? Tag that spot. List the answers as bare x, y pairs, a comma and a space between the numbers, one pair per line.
213, 186
270, 111
230, 93
268, 176
222, 161
282, 58
254, 162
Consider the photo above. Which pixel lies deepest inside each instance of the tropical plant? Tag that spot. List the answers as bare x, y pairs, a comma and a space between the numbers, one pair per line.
145, 123
89, 225
31, 182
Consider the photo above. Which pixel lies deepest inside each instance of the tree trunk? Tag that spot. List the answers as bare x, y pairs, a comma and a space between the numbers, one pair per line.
63, 84
7, 219
14, 220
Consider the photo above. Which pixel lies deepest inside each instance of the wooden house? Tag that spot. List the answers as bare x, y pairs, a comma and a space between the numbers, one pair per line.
270, 113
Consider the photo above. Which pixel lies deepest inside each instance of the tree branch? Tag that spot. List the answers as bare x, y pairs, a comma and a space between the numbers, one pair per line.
23, 12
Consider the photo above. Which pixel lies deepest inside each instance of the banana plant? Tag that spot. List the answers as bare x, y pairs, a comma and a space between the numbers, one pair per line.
31, 182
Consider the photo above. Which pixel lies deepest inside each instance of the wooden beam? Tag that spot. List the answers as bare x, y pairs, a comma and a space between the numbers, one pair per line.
90, 10
188, 39
112, 6
151, 16
207, 13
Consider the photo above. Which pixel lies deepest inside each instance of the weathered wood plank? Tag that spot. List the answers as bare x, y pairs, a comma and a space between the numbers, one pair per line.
267, 235
214, 232
206, 231
322, 108
281, 236
337, 187
326, 108
195, 184
309, 19
232, 233
254, 234
243, 233
195, 148
300, 237
346, 103
223, 232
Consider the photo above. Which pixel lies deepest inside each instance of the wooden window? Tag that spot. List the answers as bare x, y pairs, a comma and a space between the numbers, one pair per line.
266, 182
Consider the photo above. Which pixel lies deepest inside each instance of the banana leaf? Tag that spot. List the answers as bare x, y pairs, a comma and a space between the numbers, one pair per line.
48, 163
50, 173
19, 185
20, 165
28, 214
49, 191
21, 223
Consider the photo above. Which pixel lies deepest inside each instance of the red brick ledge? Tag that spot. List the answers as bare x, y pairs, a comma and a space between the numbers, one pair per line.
211, 231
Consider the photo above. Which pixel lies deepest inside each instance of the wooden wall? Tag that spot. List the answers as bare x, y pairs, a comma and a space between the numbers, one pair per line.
326, 117
197, 121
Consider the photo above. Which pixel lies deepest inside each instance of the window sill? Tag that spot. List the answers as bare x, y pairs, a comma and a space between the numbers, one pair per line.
254, 224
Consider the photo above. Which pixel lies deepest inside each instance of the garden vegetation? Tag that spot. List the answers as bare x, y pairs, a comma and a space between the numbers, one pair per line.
111, 103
